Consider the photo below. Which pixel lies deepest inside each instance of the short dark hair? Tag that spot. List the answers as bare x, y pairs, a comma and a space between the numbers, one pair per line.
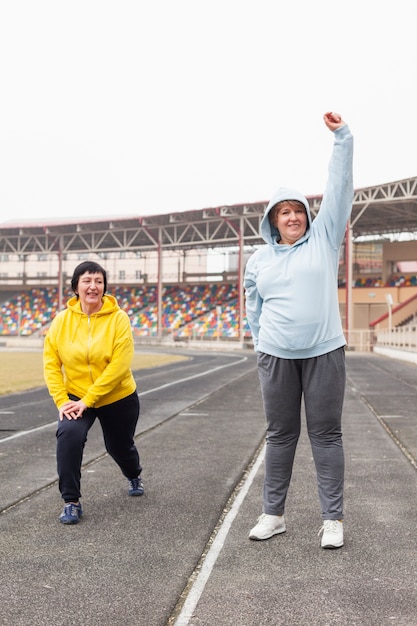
90, 267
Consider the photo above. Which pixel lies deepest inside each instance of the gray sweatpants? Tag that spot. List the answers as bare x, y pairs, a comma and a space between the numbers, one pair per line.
321, 380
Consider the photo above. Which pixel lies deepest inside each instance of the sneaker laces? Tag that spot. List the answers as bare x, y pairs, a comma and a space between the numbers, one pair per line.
262, 519
329, 526
72, 509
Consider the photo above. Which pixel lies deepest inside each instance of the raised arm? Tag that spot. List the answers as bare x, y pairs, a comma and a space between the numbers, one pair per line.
336, 205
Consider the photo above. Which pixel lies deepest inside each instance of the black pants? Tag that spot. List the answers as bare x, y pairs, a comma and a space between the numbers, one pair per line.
118, 422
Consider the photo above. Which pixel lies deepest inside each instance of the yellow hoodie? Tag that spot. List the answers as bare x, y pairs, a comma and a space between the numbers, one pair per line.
89, 356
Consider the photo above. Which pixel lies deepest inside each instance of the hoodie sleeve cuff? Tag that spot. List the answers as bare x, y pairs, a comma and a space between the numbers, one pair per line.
343, 131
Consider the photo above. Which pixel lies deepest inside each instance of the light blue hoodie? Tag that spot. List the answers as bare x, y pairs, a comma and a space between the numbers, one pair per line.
291, 291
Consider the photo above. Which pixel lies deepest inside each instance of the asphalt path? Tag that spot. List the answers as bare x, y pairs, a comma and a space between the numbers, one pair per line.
180, 554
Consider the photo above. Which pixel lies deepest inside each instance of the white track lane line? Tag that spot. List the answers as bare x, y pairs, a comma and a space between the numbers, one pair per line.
27, 432
216, 547
141, 393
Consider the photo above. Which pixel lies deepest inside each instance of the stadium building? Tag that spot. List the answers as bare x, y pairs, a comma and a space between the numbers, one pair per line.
179, 275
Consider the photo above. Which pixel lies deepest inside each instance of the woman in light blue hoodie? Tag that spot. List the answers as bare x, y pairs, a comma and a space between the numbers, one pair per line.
293, 312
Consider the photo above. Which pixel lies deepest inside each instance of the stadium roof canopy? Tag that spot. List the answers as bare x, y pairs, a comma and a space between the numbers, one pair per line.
389, 209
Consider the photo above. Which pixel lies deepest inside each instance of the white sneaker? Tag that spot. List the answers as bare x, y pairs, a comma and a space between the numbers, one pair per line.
332, 533
267, 526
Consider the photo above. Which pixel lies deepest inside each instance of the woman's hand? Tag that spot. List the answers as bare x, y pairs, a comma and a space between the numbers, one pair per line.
333, 121
72, 410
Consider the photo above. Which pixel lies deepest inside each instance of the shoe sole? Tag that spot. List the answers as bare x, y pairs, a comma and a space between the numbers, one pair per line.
331, 546
277, 532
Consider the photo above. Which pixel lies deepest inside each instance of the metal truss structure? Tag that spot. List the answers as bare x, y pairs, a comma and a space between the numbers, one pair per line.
385, 209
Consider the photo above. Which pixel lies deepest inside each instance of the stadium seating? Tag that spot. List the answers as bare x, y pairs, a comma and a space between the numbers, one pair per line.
188, 311
28, 311
399, 280
369, 282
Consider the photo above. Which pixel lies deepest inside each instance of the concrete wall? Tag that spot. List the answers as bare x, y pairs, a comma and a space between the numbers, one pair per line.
370, 304
394, 252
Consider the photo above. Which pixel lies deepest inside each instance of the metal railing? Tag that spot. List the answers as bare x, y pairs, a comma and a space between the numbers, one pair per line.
400, 338
360, 340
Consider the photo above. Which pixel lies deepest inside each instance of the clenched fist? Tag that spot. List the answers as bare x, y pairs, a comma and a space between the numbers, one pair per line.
333, 120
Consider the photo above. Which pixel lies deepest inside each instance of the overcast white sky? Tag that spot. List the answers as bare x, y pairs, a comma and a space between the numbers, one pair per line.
135, 107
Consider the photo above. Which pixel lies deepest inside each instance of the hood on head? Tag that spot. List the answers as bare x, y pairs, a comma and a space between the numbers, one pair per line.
269, 233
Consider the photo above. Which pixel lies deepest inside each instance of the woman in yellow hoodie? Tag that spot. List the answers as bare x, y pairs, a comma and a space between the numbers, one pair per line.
87, 357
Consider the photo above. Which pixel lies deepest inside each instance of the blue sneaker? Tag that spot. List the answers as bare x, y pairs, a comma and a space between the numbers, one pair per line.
136, 487
71, 513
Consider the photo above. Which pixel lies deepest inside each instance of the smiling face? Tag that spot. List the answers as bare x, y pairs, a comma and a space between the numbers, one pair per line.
290, 218
90, 290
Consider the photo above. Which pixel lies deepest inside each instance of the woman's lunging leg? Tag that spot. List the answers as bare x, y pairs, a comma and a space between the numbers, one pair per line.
118, 421
71, 437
